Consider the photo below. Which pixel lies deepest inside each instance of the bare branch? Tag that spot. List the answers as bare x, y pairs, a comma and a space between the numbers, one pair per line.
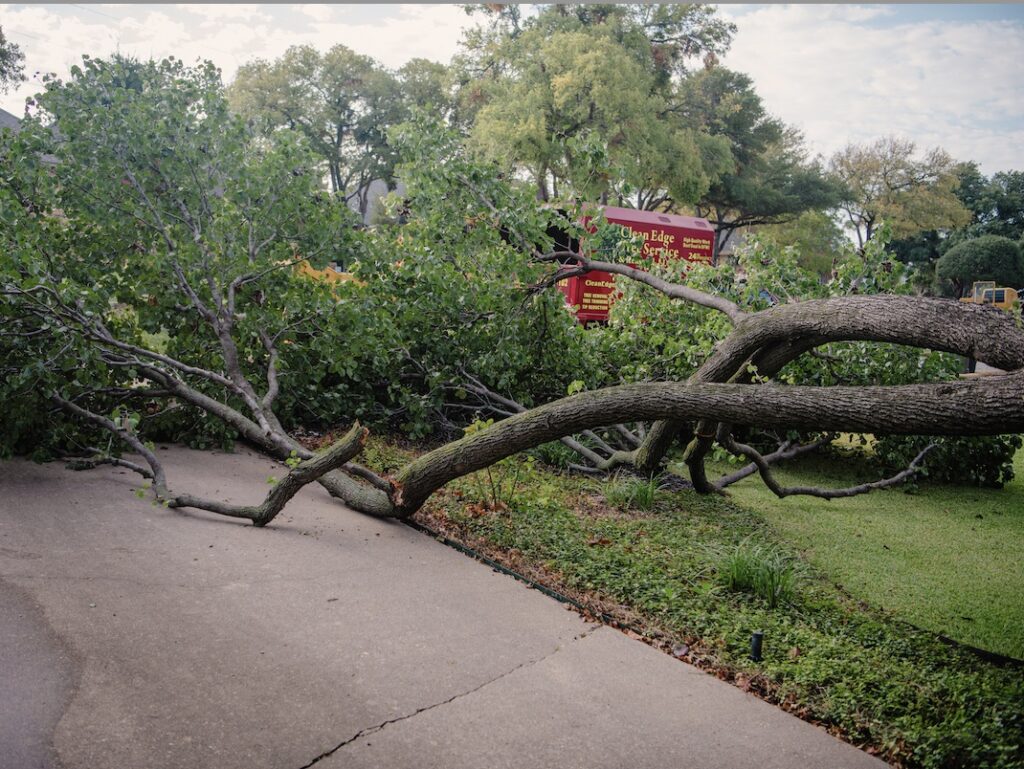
132, 440
670, 289
101, 458
783, 453
627, 435
308, 471
763, 467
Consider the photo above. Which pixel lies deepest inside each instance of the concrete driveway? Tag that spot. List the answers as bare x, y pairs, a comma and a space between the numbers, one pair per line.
134, 636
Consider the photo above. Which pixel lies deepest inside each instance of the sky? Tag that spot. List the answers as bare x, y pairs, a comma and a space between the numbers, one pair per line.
941, 75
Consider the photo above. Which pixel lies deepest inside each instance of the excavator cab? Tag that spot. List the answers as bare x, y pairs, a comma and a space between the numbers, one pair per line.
986, 292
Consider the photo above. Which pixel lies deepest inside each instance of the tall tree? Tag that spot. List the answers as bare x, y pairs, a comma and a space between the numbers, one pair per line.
342, 101
663, 38
885, 181
578, 99
12, 63
996, 206
425, 84
768, 177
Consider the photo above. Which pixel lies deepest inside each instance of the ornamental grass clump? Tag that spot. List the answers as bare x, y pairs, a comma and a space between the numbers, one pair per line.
761, 570
633, 493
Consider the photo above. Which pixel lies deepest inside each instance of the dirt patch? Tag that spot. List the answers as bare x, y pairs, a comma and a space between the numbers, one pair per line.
594, 505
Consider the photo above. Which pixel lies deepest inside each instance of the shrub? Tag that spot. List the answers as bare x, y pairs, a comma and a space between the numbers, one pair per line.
989, 257
978, 461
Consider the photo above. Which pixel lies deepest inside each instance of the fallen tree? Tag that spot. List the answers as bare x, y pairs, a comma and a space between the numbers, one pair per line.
163, 214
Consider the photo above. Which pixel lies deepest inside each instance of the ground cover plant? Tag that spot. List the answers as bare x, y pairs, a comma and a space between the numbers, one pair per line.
670, 575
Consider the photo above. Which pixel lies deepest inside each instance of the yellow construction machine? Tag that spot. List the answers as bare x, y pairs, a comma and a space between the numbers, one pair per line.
986, 292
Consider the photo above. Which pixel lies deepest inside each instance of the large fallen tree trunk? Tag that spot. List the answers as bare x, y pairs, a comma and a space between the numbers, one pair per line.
986, 406
717, 397
762, 343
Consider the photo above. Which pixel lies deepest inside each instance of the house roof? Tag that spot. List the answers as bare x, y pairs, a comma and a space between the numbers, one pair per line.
7, 120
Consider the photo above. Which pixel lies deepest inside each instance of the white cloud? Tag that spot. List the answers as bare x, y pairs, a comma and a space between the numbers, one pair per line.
952, 84
316, 12
222, 11
427, 31
54, 38
842, 73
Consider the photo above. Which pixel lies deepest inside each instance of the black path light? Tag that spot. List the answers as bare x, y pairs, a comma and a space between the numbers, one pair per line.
755, 645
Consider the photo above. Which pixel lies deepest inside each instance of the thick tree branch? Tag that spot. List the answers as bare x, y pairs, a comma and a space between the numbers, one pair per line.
273, 386
988, 406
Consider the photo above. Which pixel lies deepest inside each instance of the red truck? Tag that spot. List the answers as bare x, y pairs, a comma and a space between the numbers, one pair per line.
666, 236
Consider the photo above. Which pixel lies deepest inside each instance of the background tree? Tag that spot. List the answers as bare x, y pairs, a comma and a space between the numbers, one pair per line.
342, 101
12, 63
884, 181
989, 257
425, 84
577, 114
815, 236
664, 39
577, 99
996, 205
768, 178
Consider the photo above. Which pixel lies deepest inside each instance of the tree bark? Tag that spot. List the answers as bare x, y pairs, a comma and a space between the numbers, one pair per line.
989, 406
773, 337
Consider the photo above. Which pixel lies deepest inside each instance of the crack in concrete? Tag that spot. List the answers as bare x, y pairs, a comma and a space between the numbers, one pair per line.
378, 727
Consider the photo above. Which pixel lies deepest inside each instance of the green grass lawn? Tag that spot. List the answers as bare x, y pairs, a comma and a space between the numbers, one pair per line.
946, 558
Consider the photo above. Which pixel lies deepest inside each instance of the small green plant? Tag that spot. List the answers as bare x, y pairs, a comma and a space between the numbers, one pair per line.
555, 454
633, 493
293, 460
761, 570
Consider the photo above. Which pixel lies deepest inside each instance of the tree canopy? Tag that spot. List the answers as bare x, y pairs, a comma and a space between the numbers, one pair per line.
886, 181
767, 178
12, 63
996, 203
581, 99
341, 101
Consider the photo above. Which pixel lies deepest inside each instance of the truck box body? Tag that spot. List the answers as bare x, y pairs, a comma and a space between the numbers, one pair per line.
666, 237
